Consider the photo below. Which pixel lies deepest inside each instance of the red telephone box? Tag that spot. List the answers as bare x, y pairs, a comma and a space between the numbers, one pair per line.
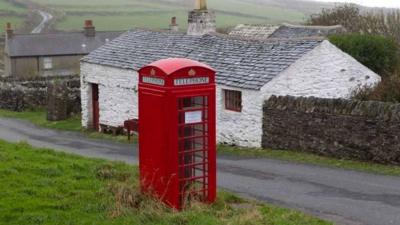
177, 139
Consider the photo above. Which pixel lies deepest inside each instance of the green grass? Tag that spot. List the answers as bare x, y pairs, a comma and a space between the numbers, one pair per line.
307, 158
145, 20
7, 6
16, 22
38, 117
9, 10
120, 22
43, 187
117, 138
124, 14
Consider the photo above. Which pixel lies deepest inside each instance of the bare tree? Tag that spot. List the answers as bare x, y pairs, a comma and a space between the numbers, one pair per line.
378, 22
347, 15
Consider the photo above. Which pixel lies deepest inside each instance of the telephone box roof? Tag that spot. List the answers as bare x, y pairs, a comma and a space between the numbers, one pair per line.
172, 65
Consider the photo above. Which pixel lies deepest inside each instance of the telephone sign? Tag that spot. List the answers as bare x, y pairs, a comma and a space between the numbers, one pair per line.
193, 117
191, 81
153, 80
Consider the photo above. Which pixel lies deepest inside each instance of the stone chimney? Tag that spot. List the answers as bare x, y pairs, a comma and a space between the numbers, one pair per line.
201, 4
201, 21
9, 31
89, 29
173, 26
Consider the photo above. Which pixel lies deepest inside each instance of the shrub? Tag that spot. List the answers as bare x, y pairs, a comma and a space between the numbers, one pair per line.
387, 91
378, 53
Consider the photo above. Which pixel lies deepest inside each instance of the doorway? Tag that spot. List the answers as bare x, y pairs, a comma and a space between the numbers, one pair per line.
95, 106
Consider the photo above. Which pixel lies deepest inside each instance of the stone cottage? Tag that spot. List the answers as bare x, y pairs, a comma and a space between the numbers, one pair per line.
51, 54
248, 73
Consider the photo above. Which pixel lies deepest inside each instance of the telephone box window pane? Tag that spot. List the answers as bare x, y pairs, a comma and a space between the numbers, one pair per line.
233, 100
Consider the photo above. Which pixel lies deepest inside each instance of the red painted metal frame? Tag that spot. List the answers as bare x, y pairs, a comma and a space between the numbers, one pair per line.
131, 125
177, 160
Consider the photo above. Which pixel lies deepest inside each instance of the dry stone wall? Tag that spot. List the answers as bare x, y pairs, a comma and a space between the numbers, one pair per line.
368, 131
30, 93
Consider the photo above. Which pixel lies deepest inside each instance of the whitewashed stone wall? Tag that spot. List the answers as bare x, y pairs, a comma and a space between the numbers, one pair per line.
118, 99
324, 72
240, 128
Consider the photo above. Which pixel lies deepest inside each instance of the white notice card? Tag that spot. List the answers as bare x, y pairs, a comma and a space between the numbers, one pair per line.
193, 117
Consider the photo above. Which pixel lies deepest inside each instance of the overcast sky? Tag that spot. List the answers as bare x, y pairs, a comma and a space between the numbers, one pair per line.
375, 3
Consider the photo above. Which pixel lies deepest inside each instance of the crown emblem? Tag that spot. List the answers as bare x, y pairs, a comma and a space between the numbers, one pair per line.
152, 72
192, 72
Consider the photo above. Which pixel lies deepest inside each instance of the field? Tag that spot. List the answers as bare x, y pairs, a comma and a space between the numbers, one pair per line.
11, 13
42, 187
125, 14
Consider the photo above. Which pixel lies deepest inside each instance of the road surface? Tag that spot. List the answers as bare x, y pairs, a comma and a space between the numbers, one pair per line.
46, 17
343, 196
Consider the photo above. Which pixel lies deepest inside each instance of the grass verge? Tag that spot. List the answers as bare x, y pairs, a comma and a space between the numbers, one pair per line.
43, 187
308, 158
38, 117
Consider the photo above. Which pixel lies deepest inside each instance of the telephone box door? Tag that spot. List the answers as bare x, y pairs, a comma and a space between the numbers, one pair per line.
193, 138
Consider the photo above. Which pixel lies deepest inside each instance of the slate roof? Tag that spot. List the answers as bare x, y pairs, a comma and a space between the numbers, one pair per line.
293, 31
68, 43
262, 32
239, 63
253, 31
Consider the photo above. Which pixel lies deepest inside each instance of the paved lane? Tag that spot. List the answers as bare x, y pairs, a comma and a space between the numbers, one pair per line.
46, 17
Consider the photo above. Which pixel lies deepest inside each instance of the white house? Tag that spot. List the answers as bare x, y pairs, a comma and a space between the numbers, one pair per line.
248, 73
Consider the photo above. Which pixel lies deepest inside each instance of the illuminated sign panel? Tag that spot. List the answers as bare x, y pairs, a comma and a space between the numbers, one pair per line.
191, 81
153, 80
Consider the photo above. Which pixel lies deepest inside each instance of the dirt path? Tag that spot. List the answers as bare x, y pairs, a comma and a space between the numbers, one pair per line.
343, 196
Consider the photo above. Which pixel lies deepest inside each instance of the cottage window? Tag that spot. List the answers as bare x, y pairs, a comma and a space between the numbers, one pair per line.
233, 100
48, 63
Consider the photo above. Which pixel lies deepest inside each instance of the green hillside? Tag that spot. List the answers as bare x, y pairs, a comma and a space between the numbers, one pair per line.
11, 13
125, 14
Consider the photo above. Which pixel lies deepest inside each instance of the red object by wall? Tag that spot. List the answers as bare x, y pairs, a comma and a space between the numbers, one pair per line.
177, 132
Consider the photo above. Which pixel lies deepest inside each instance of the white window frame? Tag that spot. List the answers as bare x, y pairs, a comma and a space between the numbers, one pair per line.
47, 63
